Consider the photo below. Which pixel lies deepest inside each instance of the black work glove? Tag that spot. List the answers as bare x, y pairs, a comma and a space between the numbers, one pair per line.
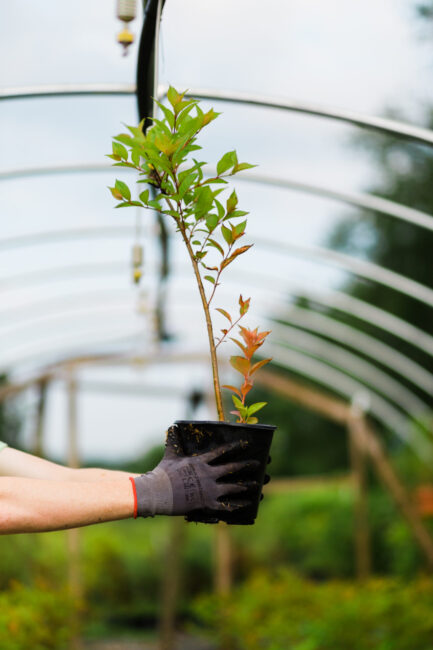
181, 484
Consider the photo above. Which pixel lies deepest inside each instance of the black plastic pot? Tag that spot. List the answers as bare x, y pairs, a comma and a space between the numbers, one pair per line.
199, 436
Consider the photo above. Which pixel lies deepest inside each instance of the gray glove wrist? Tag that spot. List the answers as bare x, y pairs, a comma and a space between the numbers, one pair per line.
154, 494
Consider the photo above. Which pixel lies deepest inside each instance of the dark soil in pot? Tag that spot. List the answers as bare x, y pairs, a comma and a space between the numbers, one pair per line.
200, 436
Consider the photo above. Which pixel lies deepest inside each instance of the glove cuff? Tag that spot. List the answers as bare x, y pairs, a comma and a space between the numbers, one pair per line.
154, 494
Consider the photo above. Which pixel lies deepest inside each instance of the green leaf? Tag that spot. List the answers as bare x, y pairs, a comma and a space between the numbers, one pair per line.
221, 211
232, 202
241, 166
135, 156
255, 407
209, 278
227, 234
125, 138
204, 201
240, 228
115, 193
144, 197
238, 213
186, 184
224, 313
184, 104
211, 222
237, 402
123, 189
215, 244
167, 113
155, 204
209, 116
228, 161
173, 96
119, 150
251, 421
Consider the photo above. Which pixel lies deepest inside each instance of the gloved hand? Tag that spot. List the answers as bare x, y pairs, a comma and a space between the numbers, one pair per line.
180, 484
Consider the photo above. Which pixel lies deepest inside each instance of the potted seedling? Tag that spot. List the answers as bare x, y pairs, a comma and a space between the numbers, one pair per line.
172, 182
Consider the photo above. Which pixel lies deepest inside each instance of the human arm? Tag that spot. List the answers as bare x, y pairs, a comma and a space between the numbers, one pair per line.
20, 464
39, 505
29, 505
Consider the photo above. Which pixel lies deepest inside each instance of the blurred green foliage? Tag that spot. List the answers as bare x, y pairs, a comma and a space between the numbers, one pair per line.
282, 610
123, 563
37, 617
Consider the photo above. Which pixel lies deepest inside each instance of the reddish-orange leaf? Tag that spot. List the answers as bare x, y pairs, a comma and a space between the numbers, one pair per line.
224, 313
235, 254
238, 414
258, 365
242, 347
240, 364
243, 305
235, 390
246, 387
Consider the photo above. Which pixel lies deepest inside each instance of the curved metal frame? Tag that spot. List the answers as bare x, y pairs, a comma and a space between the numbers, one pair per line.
295, 315
346, 386
384, 125
359, 267
329, 353
368, 202
337, 300
351, 364
369, 346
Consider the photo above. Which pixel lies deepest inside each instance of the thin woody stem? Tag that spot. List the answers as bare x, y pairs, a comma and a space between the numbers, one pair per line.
216, 381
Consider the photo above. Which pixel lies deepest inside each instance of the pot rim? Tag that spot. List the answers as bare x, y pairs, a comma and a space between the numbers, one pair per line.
268, 427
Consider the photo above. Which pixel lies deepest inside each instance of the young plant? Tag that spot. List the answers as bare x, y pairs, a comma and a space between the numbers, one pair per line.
210, 230
253, 340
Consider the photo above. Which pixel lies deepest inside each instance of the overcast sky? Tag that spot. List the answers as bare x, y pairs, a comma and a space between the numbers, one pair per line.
361, 55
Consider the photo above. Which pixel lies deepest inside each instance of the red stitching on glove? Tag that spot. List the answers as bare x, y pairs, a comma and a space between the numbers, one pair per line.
134, 491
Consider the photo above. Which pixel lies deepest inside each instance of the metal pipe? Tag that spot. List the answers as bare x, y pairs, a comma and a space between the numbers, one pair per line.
340, 383
364, 201
363, 269
350, 364
375, 349
65, 90
335, 299
297, 316
384, 125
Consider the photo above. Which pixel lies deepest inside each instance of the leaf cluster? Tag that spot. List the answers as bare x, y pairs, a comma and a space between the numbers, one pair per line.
176, 183
252, 341
210, 226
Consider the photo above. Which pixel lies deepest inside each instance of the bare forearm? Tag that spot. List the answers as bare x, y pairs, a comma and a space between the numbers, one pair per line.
28, 506
91, 474
20, 464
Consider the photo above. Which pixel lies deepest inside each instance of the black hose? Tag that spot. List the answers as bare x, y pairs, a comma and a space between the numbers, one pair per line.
145, 61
